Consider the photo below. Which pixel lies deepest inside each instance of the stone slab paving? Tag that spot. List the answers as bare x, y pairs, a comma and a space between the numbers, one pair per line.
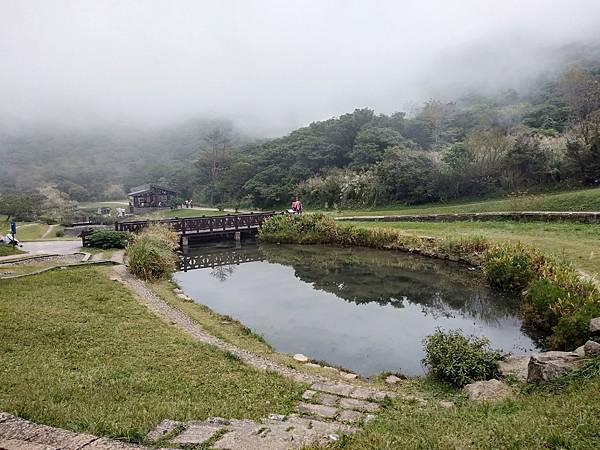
20, 434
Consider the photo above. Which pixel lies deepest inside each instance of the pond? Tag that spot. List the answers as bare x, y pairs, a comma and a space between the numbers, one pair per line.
366, 310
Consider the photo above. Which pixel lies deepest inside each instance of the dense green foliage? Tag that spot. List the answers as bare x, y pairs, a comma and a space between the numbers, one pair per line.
556, 301
458, 359
539, 139
108, 239
152, 253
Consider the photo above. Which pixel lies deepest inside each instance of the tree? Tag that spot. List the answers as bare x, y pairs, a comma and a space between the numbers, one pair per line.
527, 161
370, 144
580, 90
21, 206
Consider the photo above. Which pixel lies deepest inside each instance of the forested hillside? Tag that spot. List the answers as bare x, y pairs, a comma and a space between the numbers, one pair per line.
475, 145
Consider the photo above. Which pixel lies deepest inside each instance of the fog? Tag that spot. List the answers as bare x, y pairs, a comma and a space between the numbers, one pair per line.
271, 66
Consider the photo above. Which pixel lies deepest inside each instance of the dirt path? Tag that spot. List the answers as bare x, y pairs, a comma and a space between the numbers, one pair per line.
48, 231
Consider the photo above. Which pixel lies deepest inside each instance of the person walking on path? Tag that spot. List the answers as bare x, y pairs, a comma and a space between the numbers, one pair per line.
13, 227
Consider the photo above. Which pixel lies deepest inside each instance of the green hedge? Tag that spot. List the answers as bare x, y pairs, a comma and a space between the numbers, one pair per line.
108, 239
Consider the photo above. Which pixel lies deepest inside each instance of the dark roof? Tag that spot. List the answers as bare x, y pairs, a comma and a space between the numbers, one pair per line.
148, 186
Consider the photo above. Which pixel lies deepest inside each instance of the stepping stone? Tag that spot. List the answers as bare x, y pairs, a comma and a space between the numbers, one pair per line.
349, 416
363, 393
197, 433
326, 399
108, 444
294, 433
332, 387
308, 394
328, 412
360, 405
162, 429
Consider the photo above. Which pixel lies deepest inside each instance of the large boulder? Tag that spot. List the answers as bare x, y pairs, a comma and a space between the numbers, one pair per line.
515, 366
591, 348
595, 325
491, 390
549, 365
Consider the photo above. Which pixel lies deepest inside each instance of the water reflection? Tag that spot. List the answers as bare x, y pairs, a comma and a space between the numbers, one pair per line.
365, 309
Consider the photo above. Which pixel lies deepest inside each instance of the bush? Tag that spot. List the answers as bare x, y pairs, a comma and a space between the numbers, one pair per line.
511, 267
573, 330
60, 233
459, 359
539, 299
108, 239
152, 253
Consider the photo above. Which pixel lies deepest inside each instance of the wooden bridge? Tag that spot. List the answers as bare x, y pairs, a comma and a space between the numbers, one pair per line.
204, 226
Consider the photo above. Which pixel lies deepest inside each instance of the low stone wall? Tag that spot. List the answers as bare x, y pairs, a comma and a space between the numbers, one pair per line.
542, 216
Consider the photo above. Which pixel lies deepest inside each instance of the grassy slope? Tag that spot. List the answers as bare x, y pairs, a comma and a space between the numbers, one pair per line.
583, 200
78, 351
7, 250
579, 243
566, 419
31, 231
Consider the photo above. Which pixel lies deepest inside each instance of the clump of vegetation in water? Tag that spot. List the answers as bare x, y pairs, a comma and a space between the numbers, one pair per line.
459, 359
556, 300
152, 253
108, 239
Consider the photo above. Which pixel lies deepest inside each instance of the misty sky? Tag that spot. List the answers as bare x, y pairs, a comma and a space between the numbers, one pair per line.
273, 65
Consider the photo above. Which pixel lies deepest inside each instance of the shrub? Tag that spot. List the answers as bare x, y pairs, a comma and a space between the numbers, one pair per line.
108, 239
538, 302
573, 330
511, 267
459, 359
60, 233
152, 253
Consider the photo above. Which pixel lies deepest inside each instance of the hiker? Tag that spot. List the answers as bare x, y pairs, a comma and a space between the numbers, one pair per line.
296, 206
13, 227
191, 203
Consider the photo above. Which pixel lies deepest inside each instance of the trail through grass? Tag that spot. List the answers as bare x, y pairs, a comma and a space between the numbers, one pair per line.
79, 352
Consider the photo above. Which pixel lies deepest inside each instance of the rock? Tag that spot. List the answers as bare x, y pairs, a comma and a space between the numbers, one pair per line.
591, 348
182, 296
446, 404
197, 433
549, 365
328, 412
580, 351
162, 429
178, 291
350, 416
326, 399
515, 366
491, 390
301, 358
308, 394
312, 365
595, 325
350, 376
277, 417
360, 405
333, 387
392, 379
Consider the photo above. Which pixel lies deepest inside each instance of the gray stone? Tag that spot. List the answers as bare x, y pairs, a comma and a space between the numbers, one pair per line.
17, 444
580, 351
108, 444
349, 416
368, 418
67, 440
178, 291
363, 393
162, 429
301, 358
591, 348
392, 379
19, 429
349, 376
491, 390
595, 325
326, 399
328, 412
277, 417
294, 433
308, 394
446, 404
312, 365
360, 405
333, 387
549, 365
197, 433
515, 366
182, 296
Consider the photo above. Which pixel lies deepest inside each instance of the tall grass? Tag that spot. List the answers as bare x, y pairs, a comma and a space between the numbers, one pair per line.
152, 253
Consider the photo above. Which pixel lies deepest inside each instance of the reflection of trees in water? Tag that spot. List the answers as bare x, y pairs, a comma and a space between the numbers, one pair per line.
389, 278
222, 273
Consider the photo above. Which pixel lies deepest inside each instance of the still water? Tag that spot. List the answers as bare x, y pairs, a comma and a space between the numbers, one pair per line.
366, 310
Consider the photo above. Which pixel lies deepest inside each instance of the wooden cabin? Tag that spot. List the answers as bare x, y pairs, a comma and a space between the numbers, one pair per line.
150, 196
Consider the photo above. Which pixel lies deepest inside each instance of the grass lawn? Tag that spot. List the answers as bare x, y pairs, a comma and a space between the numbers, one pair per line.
582, 200
185, 212
566, 418
7, 250
579, 243
78, 351
31, 231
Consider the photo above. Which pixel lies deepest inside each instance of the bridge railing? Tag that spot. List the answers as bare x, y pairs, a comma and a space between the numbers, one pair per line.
203, 224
